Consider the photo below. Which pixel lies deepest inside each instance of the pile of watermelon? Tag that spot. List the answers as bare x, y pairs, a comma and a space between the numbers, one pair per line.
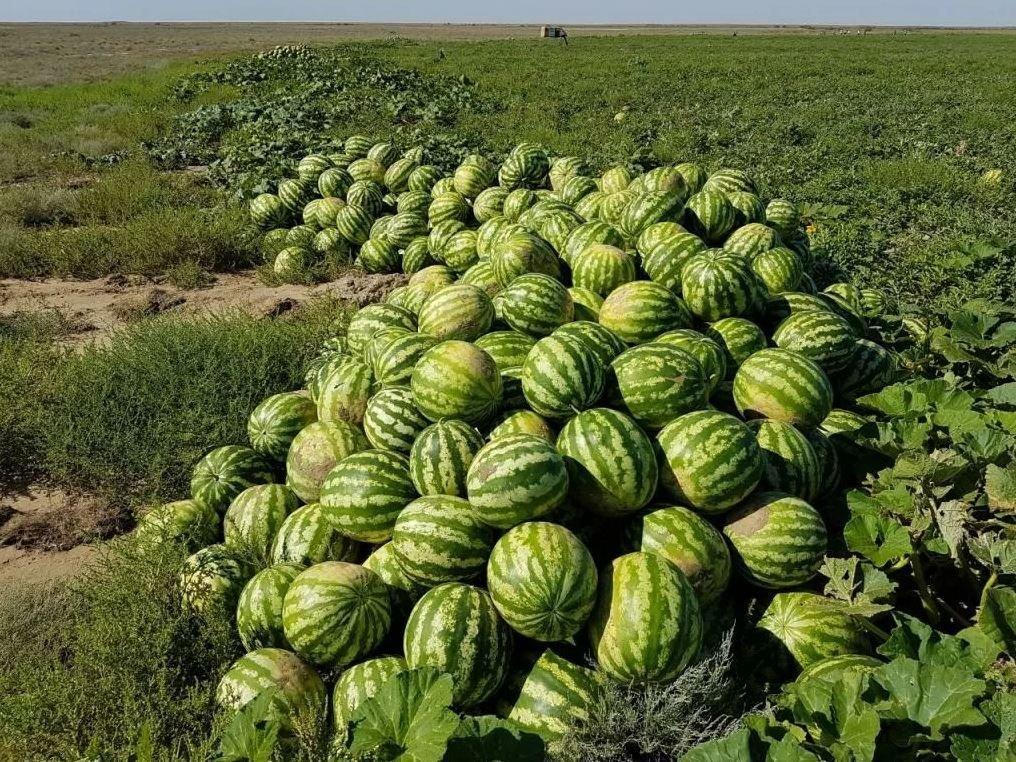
598, 403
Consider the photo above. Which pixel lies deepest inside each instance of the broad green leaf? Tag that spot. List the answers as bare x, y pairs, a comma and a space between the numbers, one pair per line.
986, 444
935, 697
1000, 486
734, 748
789, 750
997, 617
1003, 395
878, 538
492, 739
409, 718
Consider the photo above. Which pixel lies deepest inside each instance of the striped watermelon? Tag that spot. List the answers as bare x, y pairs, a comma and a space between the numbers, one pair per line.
587, 303
710, 355
649, 209
274, 242
383, 153
290, 264
306, 537
491, 234
224, 473
555, 697
523, 422
666, 179
310, 216
783, 216
345, 391
523, 252
367, 170
716, 285
268, 211
611, 466
847, 310
334, 182
368, 195
180, 520
740, 339
365, 492
277, 420
612, 206
709, 460
392, 421
601, 268
561, 376
456, 629
357, 146
616, 179
833, 668
456, 379
514, 479
873, 303
354, 222
360, 683
813, 628
330, 245
301, 236
439, 538
508, 348
334, 613
694, 176
562, 168
536, 304
473, 175
254, 518
791, 464
294, 194
311, 166
298, 693
526, 166
640, 311
440, 458
397, 175
424, 178
413, 202
730, 180
576, 188
542, 580
379, 255
657, 383
647, 626
821, 336
709, 215
748, 208
460, 251
871, 368
433, 278
404, 227
459, 311
779, 270
489, 203
587, 234
315, 451
371, 319
690, 543
752, 240
403, 591
517, 202
212, 579
783, 385
604, 342
665, 258
449, 207
828, 461
393, 365
417, 256
259, 609
778, 540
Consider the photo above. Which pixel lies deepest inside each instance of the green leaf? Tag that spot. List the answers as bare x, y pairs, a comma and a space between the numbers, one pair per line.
491, 739
997, 617
880, 539
253, 732
734, 748
409, 718
1003, 395
935, 697
1000, 486
789, 750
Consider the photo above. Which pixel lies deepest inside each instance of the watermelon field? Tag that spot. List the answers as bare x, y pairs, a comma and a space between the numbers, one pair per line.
678, 421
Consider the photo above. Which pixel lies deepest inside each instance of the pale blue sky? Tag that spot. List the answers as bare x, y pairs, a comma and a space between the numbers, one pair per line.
886, 12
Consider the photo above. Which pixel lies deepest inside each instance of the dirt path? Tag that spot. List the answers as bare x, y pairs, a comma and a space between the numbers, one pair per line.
93, 308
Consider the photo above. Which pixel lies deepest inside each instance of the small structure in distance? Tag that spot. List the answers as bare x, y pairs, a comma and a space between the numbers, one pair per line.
554, 31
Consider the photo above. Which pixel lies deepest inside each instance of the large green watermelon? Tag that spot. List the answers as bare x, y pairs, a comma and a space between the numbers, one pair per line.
813, 628
657, 383
315, 451
439, 538
783, 385
224, 473
277, 420
255, 516
306, 537
365, 492
259, 609
556, 697
299, 694
456, 379
440, 458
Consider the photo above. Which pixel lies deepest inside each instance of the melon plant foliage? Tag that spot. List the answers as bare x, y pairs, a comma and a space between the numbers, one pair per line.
601, 419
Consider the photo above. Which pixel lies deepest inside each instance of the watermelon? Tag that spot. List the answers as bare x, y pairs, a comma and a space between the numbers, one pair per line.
828, 461
181, 520
414, 202
542, 580
709, 460
508, 348
669, 179
404, 228
871, 368
791, 464
647, 626
730, 180
397, 175
365, 492
536, 304
379, 255
748, 208
259, 609
783, 216
473, 175
301, 237
563, 168
514, 479
367, 170
277, 420
392, 421
848, 310
517, 202
601, 268
274, 242
290, 264
330, 245
717, 285
311, 166
611, 467
665, 252
522, 252
315, 451
709, 215
587, 234
482, 276
417, 256
657, 383
440, 458
694, 176
456, 629
523, 422
604, 342
561, 376
383, 153
778, 540
587, 303
616, 179
294, 194
345, 391
779, 269
360, 683
268, 211
439, 538
525, 167
821, 336
334, 613
833, 668
353, 223
373, 318
424, 177
298, 693
641, 310
306, 537
455, 379
555, 697
873, 303
358, 146
393, 365
460, 251
489, 203
433, 278
710, 355
403, 591
448, 206
212, 579
255, 516
813, 628
651, 208
334, 182
492, 232
576, 188
224, 473
740, 339
690, 543
783, 385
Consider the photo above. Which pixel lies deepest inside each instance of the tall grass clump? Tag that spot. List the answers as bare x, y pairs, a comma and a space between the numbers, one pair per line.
128, 418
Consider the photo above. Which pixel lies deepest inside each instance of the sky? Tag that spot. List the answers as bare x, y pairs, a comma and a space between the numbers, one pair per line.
874, 12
